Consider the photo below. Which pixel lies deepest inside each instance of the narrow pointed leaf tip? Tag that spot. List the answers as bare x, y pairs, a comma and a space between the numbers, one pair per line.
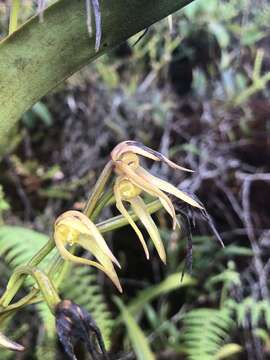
140, 149
9, 344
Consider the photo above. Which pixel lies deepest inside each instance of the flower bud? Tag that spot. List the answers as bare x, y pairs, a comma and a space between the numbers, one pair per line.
74, 323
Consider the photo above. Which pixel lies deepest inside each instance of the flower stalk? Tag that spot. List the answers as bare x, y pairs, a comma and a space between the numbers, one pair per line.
122, 181
98, 189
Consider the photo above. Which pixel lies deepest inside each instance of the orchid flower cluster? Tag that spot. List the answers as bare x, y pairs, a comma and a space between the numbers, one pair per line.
123, 182
131, 182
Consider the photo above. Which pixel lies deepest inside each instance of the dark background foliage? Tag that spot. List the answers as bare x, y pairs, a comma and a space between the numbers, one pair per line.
199, 93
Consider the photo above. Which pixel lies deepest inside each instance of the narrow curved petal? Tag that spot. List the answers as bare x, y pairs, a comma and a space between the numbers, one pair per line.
140, 210
168, 209
82, 224
167, 187
150, 188
120, 206
9, 344
66, 255
93, 247
140, 149
129, 146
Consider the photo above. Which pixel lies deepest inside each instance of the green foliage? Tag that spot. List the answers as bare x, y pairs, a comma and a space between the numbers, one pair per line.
250, 310
205, 331
39, 66
172, 282
38, 112
46, 348
4, 205
17, 246
227, 351
142, 303
138, 340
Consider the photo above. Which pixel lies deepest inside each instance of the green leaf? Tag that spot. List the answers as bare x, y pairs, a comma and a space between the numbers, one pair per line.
42, 54
18, 245
251, 35
137, 338
227, 351
236, 250
38, 111
172, 282
205, 331
221, 34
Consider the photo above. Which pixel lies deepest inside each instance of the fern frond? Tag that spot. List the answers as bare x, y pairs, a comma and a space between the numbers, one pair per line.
18, 244
251, 309
47, 340
205, 332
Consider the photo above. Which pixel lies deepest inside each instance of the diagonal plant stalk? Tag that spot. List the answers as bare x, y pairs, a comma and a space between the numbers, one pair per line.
44, 283
58, 269
119, 221
17, 278
37, 57
98, 189
13, 22
40, 55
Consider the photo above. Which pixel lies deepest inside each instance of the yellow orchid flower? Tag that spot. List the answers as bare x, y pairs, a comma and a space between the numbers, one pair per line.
140, 149
132, 180
126, 161
125, 190
6, 343
73, 227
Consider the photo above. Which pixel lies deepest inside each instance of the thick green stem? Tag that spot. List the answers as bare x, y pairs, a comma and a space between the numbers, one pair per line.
18, 277
47, 288
41, 54
26, 300
98, 189
106, 199
44, 283
120, 221
92, 209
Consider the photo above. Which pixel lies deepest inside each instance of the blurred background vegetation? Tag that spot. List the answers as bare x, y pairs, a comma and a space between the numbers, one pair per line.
196, 90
